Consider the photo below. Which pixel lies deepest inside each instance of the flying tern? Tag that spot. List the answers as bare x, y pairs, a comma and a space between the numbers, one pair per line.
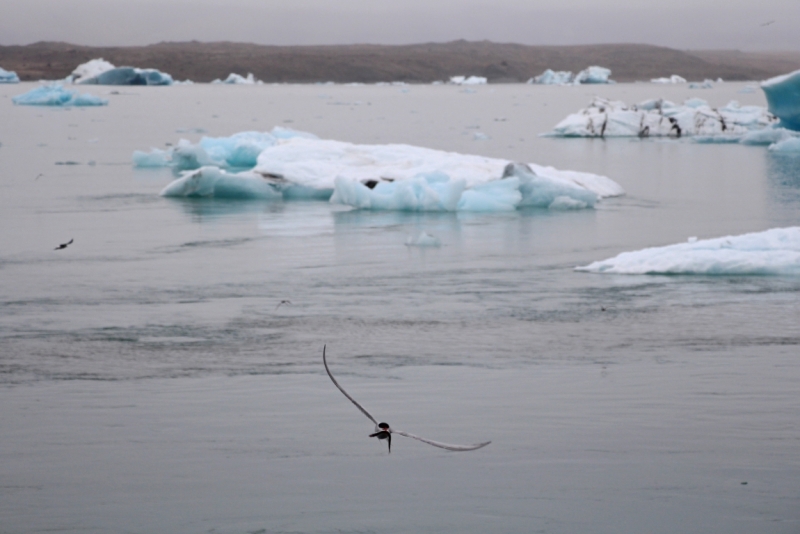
64, 245
384, 431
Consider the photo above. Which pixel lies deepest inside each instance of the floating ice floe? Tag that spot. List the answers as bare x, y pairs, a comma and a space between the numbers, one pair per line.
8, 76
590, 75
672, 79
772, 252
240, 150
705, 84
551, 77
767, 136
238, 79
397, 177
55, 95
653, 118
787, 146
424, 239
783, 98
471, 80
101, 72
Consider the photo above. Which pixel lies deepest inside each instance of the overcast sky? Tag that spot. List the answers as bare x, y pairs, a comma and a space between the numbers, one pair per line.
682, 24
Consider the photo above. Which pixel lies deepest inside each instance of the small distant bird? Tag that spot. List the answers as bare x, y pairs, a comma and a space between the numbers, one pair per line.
602, 308
768, 23
40, 175
384, 431
64, 245
283, 302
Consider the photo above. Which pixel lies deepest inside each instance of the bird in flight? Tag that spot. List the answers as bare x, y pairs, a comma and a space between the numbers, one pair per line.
283, 302
64, 245
384, 431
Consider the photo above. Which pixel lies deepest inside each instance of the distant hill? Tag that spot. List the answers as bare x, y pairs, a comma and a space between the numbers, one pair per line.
499, 62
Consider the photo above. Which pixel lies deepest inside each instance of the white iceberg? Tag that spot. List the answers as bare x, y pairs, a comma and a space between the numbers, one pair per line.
705, 84
772, 252
767, 136
783, 98
8, 76
55, 95
654, 118
551, 77
101, 72
471, 80
238, 79
672, 79
788, 146
593, 74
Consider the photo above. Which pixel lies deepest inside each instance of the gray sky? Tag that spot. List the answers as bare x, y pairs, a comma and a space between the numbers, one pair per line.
682, 24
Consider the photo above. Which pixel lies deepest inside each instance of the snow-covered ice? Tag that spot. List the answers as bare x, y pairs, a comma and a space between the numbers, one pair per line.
551, 77
672, 79
783, 98
8, 76
468, 80
610, 118
238, 79
101, 72
55, 95
772, 252
378, 177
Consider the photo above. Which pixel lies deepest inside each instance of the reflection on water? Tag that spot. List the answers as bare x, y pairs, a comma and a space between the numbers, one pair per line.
783, 174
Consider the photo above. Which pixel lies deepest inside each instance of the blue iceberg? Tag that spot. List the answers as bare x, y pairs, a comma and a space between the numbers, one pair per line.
783, 98
8, 76
56, 95
551, 77
213, 182
593, 74
787, 146
772, 252
101, 72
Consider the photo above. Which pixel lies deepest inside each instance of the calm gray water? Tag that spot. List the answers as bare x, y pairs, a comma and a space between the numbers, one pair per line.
150, 383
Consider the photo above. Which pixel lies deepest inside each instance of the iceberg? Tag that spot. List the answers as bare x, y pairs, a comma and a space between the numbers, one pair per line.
783, 98
101, 72
705, 84
238, 79
654, 118
672, 79
240, 150
772, 252
551, 77
593, 74
213, 182
55, 95
293, 165
767, 136
471, 80
787, 146
8, 76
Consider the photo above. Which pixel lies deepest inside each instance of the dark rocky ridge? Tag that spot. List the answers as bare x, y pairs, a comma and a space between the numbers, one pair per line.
499, 62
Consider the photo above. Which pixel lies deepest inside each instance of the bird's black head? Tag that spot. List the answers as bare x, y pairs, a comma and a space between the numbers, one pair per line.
383, 425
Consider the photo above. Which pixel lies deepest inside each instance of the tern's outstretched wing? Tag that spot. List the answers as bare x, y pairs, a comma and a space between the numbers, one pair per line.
441, 445
335, 383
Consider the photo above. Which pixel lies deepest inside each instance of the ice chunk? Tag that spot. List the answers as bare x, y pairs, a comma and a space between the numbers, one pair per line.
101, 72
8, 76
705, 84
154, 158
593, 74
789, 146
608, 118
549, 190
471, 80
499, 195
783, 98
238, 79
423, 240
420, 193
214, 182
672, 79
550, 77
767, 136
240, 150
55, 95
772, 252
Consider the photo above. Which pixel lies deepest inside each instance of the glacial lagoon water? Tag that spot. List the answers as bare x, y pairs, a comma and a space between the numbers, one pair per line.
151, 383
